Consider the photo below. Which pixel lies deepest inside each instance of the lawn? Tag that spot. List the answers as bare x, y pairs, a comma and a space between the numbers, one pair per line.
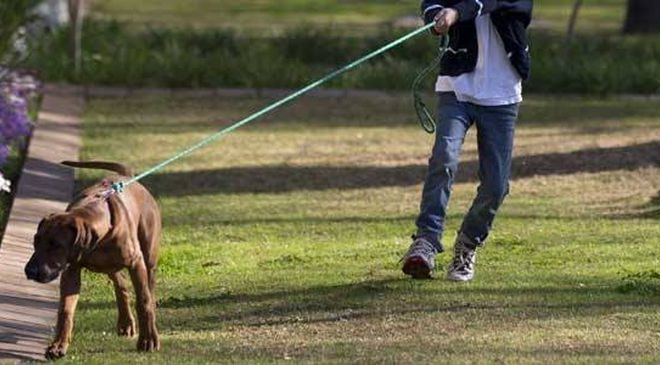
357, 15
281, 242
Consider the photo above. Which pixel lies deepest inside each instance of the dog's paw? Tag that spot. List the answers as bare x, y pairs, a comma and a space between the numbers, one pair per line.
126, 328
148, 343
56, 351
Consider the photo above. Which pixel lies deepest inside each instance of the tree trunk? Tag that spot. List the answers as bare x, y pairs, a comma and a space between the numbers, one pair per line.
75, 38
643, 16
571, 23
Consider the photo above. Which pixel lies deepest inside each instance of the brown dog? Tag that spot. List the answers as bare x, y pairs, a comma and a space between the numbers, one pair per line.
102, 233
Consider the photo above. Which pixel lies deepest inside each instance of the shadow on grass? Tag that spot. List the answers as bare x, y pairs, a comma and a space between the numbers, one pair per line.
377, 299
284, 178
597, 115
181, 219
209, 115
349, 109
653, 207
386, 297
650, 210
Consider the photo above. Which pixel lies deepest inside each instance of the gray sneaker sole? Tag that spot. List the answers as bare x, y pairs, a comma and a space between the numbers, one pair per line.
459, 278
417, 268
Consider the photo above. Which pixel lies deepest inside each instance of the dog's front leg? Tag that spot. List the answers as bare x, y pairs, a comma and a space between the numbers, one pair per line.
69, 291
146, 308
125, 322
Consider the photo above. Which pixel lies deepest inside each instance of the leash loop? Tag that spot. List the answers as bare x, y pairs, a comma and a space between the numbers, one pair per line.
424, 114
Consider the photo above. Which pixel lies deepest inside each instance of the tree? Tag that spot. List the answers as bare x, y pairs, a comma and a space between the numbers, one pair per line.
571, 23
643, 16
76, 14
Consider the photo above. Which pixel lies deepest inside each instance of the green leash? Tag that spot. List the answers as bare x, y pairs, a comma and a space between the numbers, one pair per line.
424, 115
120, 186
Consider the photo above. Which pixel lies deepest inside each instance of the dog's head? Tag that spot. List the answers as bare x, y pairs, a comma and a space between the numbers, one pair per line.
57, 243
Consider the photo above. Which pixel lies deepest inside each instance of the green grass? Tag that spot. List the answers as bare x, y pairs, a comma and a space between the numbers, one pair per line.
282, 241
364, 15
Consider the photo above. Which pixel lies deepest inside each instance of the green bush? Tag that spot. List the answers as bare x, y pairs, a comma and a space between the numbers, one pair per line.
13, 15
596, 65
114, 55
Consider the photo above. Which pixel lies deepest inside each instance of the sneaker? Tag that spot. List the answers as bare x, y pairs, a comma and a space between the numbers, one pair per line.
419, 261
461, 267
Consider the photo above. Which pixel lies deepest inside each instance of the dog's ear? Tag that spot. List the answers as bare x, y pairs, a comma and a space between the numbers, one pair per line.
85, 235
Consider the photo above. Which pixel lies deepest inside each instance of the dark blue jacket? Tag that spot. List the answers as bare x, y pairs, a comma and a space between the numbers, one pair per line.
511, 19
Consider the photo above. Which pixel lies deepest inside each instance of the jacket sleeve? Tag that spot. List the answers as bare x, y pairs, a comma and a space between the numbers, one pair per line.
467, 9
470, 9
430, 8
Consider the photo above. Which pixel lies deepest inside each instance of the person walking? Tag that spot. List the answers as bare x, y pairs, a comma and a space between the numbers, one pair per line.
480, 83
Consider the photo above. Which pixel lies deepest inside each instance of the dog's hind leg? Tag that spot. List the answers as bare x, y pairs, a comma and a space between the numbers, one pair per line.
148, 334
150, 260
125, 321
149, 236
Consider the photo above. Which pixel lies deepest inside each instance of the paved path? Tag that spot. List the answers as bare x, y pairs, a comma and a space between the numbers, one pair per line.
27, 309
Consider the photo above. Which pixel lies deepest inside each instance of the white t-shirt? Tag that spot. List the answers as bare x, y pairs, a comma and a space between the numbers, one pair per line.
494, 81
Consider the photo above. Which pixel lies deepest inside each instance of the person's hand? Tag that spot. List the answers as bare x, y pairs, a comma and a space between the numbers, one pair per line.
444, 20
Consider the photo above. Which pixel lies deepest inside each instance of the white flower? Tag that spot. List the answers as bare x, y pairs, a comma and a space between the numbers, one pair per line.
5, 185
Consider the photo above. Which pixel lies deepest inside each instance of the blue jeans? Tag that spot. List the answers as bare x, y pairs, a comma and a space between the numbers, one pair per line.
495, 130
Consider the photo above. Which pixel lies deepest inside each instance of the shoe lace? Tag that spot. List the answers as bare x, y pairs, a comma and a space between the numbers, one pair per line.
463, 257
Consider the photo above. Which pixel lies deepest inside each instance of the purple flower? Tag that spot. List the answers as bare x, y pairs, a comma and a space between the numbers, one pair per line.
16, 91
14, 122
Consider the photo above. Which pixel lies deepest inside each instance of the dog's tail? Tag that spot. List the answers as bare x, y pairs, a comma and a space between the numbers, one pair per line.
101, 165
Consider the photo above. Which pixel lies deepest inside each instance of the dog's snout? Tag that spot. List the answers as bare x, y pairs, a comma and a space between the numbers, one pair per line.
31, 271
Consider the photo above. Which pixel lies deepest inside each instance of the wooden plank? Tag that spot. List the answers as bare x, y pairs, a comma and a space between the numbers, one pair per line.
27, 309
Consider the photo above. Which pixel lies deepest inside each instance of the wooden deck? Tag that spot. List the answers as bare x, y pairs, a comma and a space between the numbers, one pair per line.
28, 309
